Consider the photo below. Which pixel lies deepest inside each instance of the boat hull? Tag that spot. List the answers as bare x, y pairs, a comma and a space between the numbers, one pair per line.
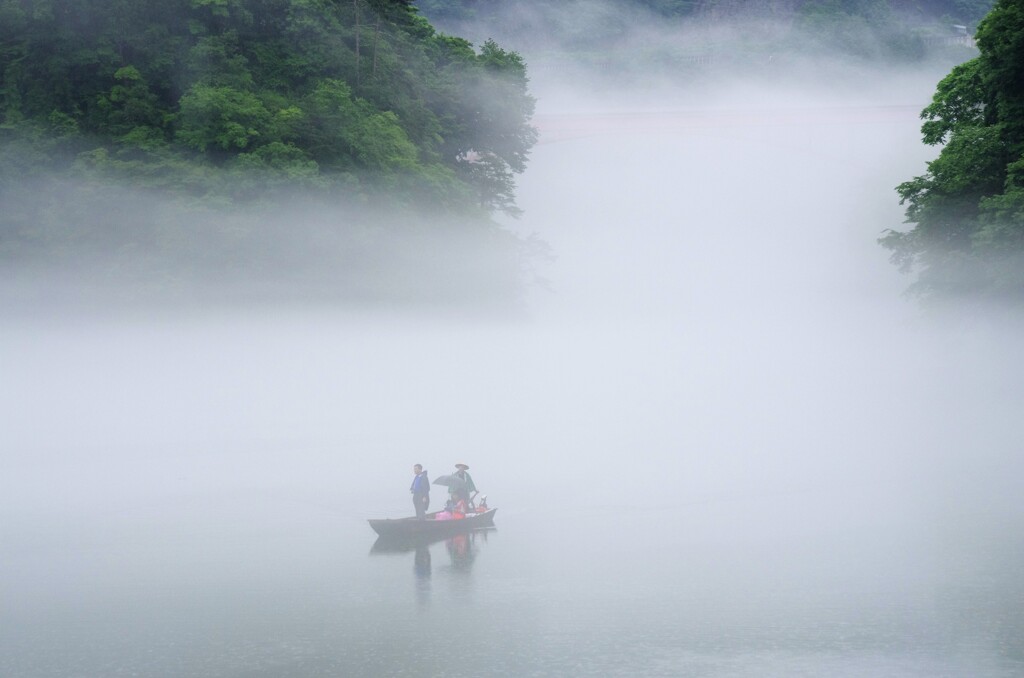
412, 527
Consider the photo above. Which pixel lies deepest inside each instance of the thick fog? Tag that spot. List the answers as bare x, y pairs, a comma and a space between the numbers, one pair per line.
716, 348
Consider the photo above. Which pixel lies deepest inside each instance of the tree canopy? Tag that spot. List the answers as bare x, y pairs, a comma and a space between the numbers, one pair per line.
238, 97
640, 39
968, 208
961, 10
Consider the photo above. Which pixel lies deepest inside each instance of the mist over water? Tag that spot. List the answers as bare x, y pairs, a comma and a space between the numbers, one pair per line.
721, 441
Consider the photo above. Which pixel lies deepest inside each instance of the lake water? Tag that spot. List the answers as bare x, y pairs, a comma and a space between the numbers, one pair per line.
722, 445
253, 584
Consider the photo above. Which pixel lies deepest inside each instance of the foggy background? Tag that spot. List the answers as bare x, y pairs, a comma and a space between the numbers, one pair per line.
721, 440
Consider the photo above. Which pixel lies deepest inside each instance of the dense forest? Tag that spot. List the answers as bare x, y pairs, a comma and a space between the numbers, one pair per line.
958, 10
340, 144
640, 35
968, 209
193, 94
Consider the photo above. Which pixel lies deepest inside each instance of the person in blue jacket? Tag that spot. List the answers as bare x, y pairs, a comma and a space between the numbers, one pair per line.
420, 491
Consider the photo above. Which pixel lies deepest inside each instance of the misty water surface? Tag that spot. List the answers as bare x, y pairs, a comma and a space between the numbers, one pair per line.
720, 440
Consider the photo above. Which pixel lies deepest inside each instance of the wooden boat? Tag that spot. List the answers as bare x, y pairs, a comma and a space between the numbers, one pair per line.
430, 527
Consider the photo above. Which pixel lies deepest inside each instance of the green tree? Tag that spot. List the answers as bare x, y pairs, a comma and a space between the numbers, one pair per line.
968, 208
486, 139
222, 118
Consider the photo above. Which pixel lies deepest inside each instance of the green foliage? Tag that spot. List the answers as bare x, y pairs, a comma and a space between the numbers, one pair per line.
824, 12
488, 150
361, 95
222, 118
968, 209
958, 102
627, 40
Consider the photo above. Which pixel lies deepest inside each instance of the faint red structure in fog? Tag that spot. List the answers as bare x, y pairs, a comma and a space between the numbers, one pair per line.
568, 126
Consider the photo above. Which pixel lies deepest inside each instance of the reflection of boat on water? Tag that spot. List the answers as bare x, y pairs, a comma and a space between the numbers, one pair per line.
398, 544
430, 528
404, 544
462, 549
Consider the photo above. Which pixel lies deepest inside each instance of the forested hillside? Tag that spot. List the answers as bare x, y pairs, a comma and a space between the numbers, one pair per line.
968, 209
667, 34
238, 97
958, 10
338, 149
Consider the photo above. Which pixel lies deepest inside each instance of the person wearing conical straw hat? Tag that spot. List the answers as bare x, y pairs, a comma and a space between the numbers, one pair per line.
464, 490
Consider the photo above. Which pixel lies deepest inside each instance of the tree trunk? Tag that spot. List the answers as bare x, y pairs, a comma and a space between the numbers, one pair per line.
355, 6
376, 36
